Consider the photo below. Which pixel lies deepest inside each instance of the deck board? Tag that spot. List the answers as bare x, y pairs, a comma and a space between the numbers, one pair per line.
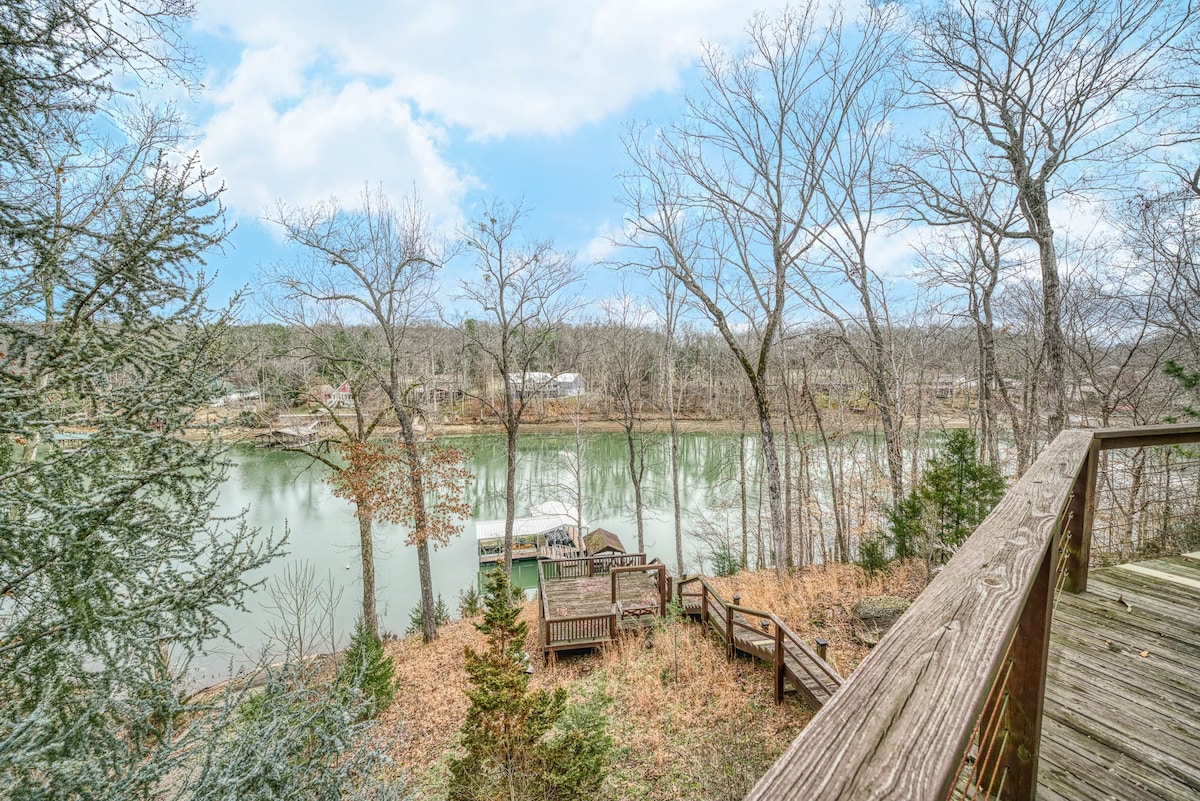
593, 595
1119, 725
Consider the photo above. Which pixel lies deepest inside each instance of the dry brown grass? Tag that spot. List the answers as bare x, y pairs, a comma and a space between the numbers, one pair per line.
816, 601
685, 721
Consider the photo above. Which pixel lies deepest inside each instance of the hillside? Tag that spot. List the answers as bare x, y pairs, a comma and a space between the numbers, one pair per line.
684, 719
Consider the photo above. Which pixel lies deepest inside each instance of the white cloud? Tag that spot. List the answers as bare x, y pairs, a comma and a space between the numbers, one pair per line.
327, 96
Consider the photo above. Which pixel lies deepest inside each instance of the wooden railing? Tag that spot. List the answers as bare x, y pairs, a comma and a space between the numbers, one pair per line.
582, 630
585, 566
951, 698
664, 592
743, 631
578, 631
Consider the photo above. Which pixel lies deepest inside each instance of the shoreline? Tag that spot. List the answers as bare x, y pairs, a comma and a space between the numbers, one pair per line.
861, 423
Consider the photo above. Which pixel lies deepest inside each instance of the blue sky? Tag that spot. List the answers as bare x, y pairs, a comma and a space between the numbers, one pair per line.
522, 100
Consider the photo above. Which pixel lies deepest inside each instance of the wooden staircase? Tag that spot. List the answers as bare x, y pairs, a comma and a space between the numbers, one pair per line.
763, 636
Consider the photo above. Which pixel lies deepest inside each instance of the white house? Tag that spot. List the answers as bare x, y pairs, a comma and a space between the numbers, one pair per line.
544, 385
569, 385
530, 385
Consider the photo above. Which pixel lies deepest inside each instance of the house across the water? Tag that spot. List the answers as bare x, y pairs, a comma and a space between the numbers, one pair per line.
551, 531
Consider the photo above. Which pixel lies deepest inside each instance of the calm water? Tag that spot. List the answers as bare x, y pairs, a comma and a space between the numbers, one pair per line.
279, 490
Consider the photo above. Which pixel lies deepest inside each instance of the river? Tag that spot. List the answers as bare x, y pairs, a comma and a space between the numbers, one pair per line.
280, 490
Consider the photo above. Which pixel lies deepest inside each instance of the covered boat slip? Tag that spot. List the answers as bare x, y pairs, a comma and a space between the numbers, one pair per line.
551, 531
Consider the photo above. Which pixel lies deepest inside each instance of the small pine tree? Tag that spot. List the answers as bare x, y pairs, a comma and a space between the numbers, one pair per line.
954, 495
470, 603
519, 743
365, 668
725, 562
416, 615
872, 555
1189, 380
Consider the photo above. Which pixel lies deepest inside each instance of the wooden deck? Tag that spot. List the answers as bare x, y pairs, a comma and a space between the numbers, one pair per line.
1119, 724
591, 595
586, 602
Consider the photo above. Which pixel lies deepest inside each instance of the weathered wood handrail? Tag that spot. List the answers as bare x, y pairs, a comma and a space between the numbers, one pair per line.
901, 725
659, 568
713, 606
828, 677
585, 566
580, 629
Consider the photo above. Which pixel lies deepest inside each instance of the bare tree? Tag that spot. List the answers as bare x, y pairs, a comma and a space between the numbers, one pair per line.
629, 365
974, 258
519, 294
1161, 232
670, 318
340, 356
375, 266
1118, 349
846, 286
1040, 93
729, 201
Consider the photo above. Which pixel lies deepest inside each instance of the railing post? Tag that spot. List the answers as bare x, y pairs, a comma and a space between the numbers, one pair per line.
822, 647
1027, 687
1079, 527
778, 663
704, 604
729, 628
662, 591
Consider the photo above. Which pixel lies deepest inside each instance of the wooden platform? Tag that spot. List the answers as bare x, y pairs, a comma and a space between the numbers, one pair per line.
586, 602
579, 597
1122, 710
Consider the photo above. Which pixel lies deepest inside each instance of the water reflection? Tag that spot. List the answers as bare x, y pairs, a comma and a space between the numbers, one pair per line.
281, 490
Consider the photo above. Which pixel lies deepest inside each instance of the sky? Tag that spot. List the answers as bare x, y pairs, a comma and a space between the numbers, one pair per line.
464, 101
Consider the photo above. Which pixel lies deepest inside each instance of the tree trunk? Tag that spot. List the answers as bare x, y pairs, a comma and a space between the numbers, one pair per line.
1052, 335
771, 466
366, 549
989, 378
788, 512
510, 493
635, 478
428, 606
674, 447
743, 481
675, 488
416, 487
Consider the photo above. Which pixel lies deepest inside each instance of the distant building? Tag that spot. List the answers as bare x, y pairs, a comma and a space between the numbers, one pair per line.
339, 398
600, 541
543, 385
551, 531
569, 385
235, 399
530, 385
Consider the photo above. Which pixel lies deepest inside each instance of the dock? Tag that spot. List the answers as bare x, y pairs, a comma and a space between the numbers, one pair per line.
586, 603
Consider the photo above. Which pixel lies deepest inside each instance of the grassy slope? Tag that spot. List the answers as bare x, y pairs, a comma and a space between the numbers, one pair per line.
684, 719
